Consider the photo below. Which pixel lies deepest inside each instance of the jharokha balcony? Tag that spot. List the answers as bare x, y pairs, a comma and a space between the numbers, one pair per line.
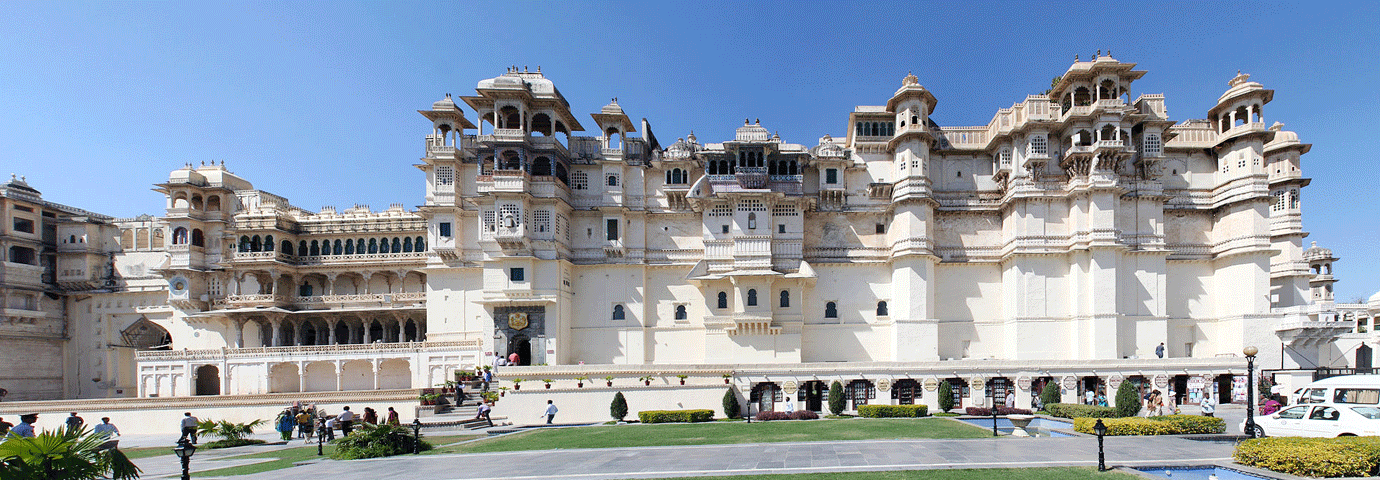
396, 299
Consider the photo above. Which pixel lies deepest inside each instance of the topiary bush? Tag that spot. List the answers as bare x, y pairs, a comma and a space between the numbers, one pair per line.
1076, 410
1127, 400
1001, 410
234, 442
373, 441
836, 403
1166, 425
675, 416
618, 409
893, 411
946, 396
1312, 457
804, 415
1050, 395
731, 407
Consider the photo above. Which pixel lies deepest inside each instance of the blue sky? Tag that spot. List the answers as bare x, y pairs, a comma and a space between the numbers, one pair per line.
317, 101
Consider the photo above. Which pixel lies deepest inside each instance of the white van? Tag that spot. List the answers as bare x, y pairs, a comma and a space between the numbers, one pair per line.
1349, 389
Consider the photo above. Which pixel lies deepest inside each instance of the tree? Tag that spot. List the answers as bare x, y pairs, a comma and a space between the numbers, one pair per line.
731, 407
1050, 394
619, 408
946, 396
63, 453
836, 403
1127, 400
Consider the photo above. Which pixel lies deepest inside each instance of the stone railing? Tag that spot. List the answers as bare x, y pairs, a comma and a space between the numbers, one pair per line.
310, 350
1240, 129
367, 298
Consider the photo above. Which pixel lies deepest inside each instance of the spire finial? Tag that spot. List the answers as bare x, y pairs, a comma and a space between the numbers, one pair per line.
1099, 53
1075, 58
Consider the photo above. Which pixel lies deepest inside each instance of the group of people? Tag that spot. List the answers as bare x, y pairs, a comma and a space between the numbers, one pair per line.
1155, 405
306, 419
1098, 398
105, 429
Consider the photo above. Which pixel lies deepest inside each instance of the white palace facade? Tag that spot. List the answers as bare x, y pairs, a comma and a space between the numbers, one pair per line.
1064, 240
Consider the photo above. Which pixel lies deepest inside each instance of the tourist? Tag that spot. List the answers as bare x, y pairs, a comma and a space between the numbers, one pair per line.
74, 422
370, 416
285, 423
1159, 351
1268, 406
498, 361
1208, 406
1010, 399
189, 424
346, 419
105, 429
329, 426
488, 378
1172, 401
4, 428
484, 410
26, 426
393, 417
1088, 397
513, 358
1101, 398
459, 394
304, 425
550, 412
790, 405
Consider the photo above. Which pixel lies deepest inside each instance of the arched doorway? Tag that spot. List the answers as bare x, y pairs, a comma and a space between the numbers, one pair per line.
208, 380
523, 347
811, 395
766, 395
906, 391
1363, 360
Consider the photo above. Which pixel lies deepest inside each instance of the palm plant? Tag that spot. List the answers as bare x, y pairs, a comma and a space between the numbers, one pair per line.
68, 453
227, 430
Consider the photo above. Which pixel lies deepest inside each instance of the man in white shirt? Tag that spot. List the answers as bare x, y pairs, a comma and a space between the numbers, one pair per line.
1209, 407
330, 429
26, 426
550, 412
105, 429
1088, 397
189, 424
345, 419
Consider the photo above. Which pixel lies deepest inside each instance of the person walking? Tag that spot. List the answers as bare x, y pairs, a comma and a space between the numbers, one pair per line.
790, 405
26, 426
550, 412
513, 358
304, 424
284, 424
74, 422
346, 420
330, 428
1010, 399
1159, 351
370, 416
189, 424
484, 410
1172, 402
459, 394
498, 361
1088, 397
105, 429
488, 378
1101, 398
393, 417
1209, 407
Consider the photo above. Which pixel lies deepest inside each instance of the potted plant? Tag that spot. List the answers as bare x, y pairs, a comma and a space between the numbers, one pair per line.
580, 381
428, 398
646, 379
682, 378
517, 384
448, 387
609, 380
547, 381
727, 377
502, 391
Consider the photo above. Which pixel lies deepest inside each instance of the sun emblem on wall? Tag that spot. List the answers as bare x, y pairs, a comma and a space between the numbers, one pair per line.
517, 320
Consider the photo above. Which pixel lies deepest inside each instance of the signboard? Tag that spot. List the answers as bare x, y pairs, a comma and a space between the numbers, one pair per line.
1114, 382
790, 387
884, 384
1023, 383
1161, 381
1070, 383
931, 384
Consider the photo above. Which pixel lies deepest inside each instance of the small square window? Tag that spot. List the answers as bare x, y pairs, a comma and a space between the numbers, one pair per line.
881, 228
831, 176
517, 274
443, 229
781, 228
725, 229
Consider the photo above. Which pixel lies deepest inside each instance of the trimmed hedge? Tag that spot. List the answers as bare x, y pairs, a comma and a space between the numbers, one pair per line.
796, 415
1075, 410
674, 416
1313, 457
1001, 410
893, 411
1166, 425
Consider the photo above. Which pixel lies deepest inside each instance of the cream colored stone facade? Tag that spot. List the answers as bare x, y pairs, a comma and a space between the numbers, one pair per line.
1065, 240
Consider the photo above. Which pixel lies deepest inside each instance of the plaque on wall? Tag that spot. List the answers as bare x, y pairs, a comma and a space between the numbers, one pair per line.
1114, 382
1070, 383
517, 320
1161, 381
977, 383
884, 384
1023, 383
790, 387
931, 384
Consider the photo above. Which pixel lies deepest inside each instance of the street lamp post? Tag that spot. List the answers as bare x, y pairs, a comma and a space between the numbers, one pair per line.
1101, 430
416, 436
184, 451
1250, 352
321, 437
992, 388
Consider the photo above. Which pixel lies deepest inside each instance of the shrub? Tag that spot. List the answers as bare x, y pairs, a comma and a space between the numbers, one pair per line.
893, 411
946, 396
1050, 395
804, 415
1167, 425
1127, 400
373, 441
731, 407
1001, 410
836, 403
1076, 410
237, 442
673, 416
619, 408
226, 429
771, 415
1313, 457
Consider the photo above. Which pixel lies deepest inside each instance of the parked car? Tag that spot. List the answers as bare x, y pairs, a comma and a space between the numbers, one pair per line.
1319, 420
1357, 389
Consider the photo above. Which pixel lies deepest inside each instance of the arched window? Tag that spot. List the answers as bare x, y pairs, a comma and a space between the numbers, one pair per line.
359, 246
612, 180
349, 247
383, 246
407, 245
304, 290
373, 245
542, 166
199, 239
255, 245
397, 245
680, 312
419, 245
315, 249
881, 309
511, 161
785, 298
617, 312
301, 248
831, 310
287, 247
179, 236
268, 243
723, 300
752, 297
337, 248
752, 221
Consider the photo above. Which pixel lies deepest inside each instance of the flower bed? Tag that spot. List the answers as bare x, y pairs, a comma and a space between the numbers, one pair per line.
1166, 425
893, 411
1074, 410
674, 416
796, 415
1313, 457
1001, 410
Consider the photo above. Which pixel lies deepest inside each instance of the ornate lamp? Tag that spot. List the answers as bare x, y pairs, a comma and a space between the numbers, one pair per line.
1250, 352
184, 451
1101, 429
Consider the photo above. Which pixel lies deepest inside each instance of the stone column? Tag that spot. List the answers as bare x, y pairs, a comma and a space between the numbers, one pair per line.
301, 377
331, 322
239, 333
368, 325
330, 283
277, 325
376, 373
339, 376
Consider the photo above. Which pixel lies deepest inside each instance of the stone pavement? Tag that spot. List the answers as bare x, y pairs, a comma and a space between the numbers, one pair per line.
772, 458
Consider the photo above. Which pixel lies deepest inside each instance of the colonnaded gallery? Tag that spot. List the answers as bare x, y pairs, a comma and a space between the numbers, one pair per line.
1064, 240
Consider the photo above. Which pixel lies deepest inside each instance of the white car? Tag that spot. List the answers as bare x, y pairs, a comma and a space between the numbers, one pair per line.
1319, 420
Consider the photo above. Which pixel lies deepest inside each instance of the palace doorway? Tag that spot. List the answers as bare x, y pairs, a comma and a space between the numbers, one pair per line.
523, 347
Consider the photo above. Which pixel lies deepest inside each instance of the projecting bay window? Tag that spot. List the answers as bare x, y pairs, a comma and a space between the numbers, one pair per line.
611, 229
831, 176
443, 229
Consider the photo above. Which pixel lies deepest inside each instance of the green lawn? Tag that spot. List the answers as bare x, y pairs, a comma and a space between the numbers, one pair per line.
722, 433
285, 458
1052, 473
145, 452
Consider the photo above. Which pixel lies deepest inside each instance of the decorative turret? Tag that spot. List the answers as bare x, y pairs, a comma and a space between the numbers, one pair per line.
614, 125
448, 123
1320, 262
1238, 110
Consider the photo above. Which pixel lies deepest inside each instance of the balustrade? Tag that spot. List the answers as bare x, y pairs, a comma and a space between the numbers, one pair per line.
308, 352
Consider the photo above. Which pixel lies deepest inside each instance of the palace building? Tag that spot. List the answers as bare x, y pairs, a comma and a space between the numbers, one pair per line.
1065, 240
